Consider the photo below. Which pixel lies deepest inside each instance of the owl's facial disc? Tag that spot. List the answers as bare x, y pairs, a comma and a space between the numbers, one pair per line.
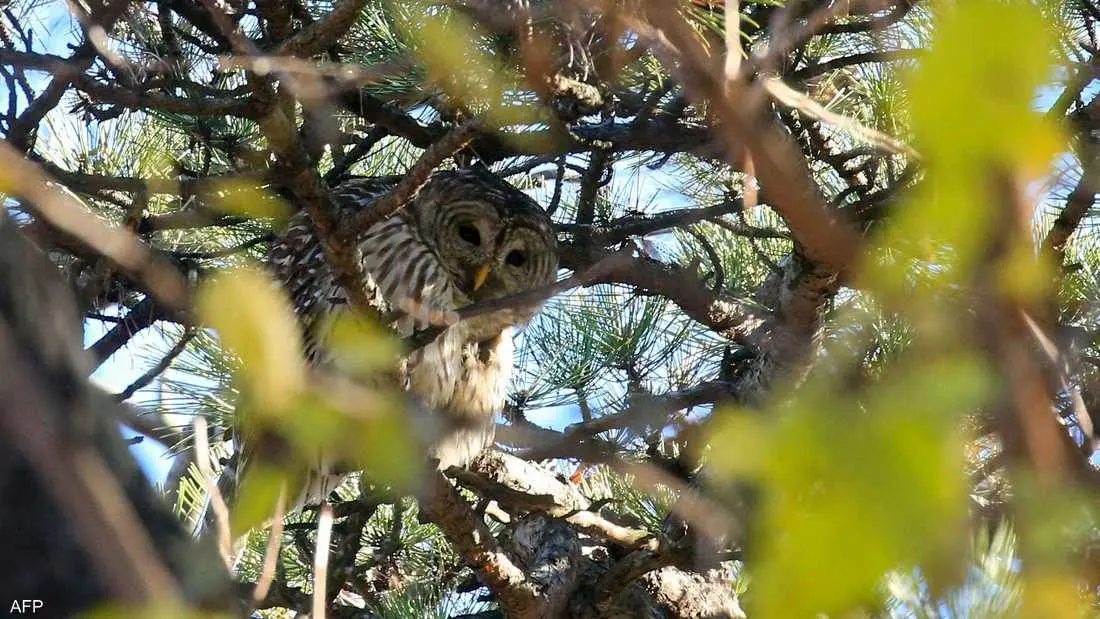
520, 261
465, 243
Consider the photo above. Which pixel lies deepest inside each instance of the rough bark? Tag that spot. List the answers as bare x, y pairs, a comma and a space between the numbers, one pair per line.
62, 458
582, 563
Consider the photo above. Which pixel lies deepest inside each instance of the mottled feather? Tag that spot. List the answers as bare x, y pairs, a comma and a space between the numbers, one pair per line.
461, 376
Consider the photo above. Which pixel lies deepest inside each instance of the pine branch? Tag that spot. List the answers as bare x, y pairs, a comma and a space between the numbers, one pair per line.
140, 317
744, 122
65, 213
152, 373
821, 68
124, 543
475, 543
323, 33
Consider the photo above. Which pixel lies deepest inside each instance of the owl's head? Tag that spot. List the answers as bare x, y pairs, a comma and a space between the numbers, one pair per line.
492, 238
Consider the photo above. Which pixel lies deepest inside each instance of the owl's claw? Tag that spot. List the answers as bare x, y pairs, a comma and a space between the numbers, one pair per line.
428, 314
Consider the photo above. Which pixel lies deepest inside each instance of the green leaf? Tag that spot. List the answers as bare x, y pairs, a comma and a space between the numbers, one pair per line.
254, 319
245, 198
257, 497
972, 99
875, 482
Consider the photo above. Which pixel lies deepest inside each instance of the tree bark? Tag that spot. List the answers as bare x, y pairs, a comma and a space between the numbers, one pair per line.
80, 526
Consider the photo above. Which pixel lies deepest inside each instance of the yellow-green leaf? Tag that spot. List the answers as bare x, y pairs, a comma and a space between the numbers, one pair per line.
360, 346
254, 319
875, 481
245, 198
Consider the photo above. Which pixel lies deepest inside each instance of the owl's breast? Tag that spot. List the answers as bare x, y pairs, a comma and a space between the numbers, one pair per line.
462, 377
487, 369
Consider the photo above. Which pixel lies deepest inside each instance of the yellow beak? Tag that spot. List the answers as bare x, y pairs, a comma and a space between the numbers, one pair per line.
482, 275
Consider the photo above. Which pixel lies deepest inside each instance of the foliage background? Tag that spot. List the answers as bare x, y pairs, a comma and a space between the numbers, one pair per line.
852, 354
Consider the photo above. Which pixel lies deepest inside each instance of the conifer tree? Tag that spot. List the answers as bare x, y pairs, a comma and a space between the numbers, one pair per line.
824, 341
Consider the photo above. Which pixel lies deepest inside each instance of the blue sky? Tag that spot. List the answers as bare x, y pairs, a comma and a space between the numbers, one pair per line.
119, 372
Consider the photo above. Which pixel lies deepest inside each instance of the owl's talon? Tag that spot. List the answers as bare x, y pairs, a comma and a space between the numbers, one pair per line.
428, 314
448, 317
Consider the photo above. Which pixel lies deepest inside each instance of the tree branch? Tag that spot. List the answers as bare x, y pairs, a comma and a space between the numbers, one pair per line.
476, 544
152, 373
65, 213
322, 33
821, 68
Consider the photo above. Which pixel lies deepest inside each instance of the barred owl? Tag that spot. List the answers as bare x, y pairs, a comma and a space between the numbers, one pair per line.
467, 237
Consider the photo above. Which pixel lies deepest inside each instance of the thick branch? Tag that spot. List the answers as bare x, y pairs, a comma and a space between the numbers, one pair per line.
323, 32
140, 317
476, 544
1078, 203
821, 68
658, 135
726, 316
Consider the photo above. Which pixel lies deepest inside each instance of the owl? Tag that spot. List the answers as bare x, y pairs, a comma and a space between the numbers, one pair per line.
467, 237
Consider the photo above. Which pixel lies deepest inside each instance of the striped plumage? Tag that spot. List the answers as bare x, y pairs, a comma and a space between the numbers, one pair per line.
426, 254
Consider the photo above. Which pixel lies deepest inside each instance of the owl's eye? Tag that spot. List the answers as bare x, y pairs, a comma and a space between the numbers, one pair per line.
515, 258
468, 233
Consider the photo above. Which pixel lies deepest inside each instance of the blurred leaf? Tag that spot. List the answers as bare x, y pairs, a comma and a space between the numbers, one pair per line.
1052, 594
972, 95
151, 611
972, 99
257, 497
360, 346
875, 481
245, 198
366, 426
456, 60
388, 450
255, 321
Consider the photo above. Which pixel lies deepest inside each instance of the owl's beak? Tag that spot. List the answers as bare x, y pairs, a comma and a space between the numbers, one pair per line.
482, 275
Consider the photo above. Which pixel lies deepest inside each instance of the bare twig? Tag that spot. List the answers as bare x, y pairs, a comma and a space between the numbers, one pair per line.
158, 368
140, 317
320, 560
786, 38
21, 134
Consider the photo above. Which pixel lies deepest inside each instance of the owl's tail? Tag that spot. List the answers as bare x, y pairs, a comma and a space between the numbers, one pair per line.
318, 485
462, 441
227, 488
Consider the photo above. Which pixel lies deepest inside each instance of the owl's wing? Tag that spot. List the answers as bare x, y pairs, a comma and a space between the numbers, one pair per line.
297, 261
